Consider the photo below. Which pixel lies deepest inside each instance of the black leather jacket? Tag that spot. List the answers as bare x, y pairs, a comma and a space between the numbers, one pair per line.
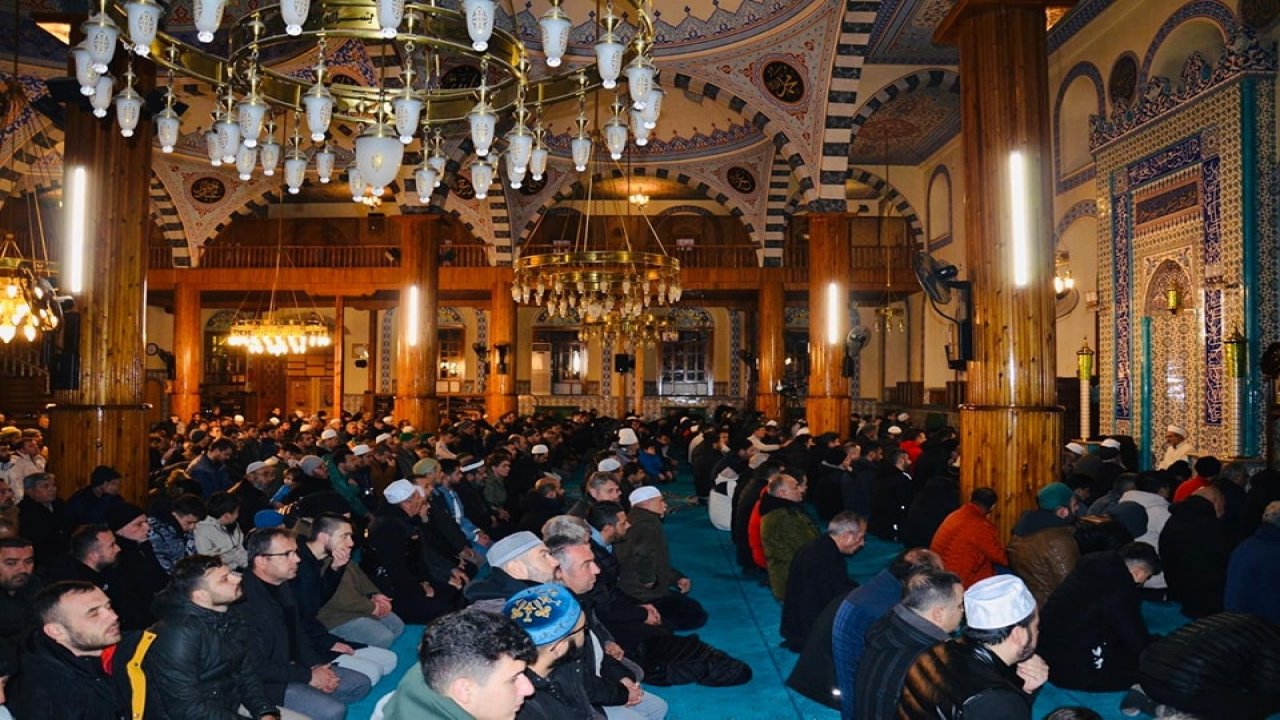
200, 665
962, 680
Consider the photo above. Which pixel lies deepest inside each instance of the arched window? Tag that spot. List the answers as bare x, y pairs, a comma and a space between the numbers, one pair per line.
686, 361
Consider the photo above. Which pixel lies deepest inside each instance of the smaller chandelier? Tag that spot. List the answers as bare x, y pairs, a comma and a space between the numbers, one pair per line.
270, 335
27, 303
597, 283
638, 199
647, 329
892, 317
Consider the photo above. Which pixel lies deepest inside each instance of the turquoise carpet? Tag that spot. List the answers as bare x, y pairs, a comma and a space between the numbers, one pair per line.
744, 623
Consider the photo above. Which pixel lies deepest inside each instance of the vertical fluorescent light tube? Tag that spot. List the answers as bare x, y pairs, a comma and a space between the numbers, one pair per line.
411, 332
1019, 212
76, 230
833, 313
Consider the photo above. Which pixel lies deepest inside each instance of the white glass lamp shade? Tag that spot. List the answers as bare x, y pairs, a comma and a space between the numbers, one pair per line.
437, 163
294, 14
538, 162
479, 15
355, 183
251, 111
555, 27
144, 19
128, 110
295, 171
101, 98
615, 137
483, 122
214, 146
208, 16
639, 81
228, 138
319, 104
580, 149
638, 128
85, 74
481, 178
100, 35
425, 178
390, 13
246, 158
324, 164
168, 124
269, 154
515, 173
408, 109
653, 107
378, 156
609, 60
520, 147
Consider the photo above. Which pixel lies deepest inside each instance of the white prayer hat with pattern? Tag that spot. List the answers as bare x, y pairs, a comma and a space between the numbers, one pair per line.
998, 602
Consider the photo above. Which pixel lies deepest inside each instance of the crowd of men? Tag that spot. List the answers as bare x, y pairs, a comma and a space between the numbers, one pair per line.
273, 564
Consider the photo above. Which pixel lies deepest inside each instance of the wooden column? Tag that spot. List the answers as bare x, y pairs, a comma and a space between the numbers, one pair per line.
770, 337
188, 351
500, 388
827, 406
1011, 432
418, 342
339, 354
637, 376
102, 422
374, 345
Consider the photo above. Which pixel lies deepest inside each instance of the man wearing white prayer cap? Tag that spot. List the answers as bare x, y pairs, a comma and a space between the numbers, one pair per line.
647, 575
1176, 447
990, 672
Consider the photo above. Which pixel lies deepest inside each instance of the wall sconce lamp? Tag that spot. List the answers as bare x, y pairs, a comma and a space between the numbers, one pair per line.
502, 349
1173, 299
482, 352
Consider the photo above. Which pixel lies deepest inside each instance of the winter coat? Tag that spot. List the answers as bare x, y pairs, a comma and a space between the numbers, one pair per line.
212, 539
1157, 508
1043, 551
134, 582
1253, 575
277, 637
962, 680
351, 600
814, 674
939, 497
647, 574
1194, 555
557, 697
859, 611
47, 527
1091, 629
492, 591
818, 574
754, 539
414, 699
890, 497
827, 490
55, 684
893, 644
969, 545
168, 541
211, 475
785, 527
856, 493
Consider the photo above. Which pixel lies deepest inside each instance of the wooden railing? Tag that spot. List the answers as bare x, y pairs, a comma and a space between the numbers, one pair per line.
318, 256
464, 256
716, 256
874, 265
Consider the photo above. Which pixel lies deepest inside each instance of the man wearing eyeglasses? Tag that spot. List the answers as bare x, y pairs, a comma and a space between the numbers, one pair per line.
292, 672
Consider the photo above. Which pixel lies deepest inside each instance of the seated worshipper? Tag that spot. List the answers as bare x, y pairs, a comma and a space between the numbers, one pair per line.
1152, 493
1221, 666
968, 541
342, 465
785, 527
653, 464
89, 505
93, 551
172, 529
1043, 548
8, 504
471, 667
647, 575
73, 664
517, 561
1253, 574
494, 484
992, 671
855, 614
137, 575
931, 609
253, 491
293, 674
422, 583
629, 622
936, 499
555, 623
201, 663
322, 560
209, 468
1178, 447
891, 492
219, 533
1091, 629
18, 585
44, 519
1124, 482
451, 491
543, 502
1195, 555
820, 574
1207, 469
601, 487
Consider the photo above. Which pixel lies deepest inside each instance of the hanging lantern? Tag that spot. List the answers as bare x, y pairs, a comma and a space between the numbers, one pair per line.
101, 98
100, 35
294, 13
653, 107
425, 178
251, 111
515, 172
638, 128
324, 164
555, 27
128, 107
580, 149
269, 154
390, 13
319, 104
479, 15
609, 53
214, 146
168, 124
85, 74
355, 183
378, 156
481, 178
295, 170
408, 109
228, 138
483, 122
246, 158
437, 163
520, 147
615, 137
144, 19
208, 17
639, 81
538, 161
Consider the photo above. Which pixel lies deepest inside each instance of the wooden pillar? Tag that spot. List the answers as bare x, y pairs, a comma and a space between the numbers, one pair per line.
339, 354
500, 388
1010, 429
418, 342
637, 374
770, 339
188, 351
827, 406
374, 345
102, 421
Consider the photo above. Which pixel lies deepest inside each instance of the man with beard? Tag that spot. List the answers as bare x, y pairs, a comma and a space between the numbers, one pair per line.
252, 491
992, 671
516, 562
210, 467
137, 575
68, 673
18, 586
200, 664
647, 574
422, 584
93, 551
554, 622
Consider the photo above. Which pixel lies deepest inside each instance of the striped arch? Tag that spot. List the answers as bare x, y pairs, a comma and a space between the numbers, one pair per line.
165, 213
45, 138
500, 220
775, 227
842, 99
931, 78
899, 201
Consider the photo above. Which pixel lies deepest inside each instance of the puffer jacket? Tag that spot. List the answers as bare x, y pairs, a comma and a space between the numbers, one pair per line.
962, 680
1222, 666
969, 544
201, 665
785, 527
1043, 552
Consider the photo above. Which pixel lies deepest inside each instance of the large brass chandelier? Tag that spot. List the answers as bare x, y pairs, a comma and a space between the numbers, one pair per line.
647, 329
27, 303
274, 335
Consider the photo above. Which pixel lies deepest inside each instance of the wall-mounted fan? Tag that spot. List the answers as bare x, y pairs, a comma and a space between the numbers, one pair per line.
937, 279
